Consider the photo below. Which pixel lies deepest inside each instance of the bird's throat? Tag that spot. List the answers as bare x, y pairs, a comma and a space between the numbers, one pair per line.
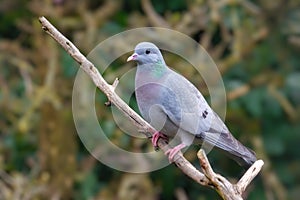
157, 70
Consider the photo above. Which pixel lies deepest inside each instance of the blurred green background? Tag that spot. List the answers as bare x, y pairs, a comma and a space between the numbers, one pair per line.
255, 44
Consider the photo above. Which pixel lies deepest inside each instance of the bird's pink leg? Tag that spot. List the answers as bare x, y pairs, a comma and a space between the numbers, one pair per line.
173, 151
156, 136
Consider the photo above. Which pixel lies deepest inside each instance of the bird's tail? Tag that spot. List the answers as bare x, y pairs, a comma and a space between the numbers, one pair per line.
226, 143
244, 156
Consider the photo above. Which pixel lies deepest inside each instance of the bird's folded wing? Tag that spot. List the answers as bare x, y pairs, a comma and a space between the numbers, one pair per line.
185, 106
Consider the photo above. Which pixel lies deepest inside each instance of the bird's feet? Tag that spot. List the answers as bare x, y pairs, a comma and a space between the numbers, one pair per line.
173, 151
155, 138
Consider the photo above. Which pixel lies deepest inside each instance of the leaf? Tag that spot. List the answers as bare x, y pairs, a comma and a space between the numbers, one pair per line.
253, 101
67, 62
271, 108
293, 86
88, 186
274, 145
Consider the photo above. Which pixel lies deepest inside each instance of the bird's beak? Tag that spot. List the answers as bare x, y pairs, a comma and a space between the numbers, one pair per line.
132, 57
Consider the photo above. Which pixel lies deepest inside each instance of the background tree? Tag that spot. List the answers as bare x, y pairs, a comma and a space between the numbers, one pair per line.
254, 43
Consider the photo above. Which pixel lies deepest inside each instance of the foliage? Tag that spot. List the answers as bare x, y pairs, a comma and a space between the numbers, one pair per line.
254, 43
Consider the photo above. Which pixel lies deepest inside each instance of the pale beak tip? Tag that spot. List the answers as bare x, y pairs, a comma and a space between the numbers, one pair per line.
132, 57
129, 58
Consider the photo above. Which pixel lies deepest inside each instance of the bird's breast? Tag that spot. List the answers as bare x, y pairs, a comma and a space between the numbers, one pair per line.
147, 95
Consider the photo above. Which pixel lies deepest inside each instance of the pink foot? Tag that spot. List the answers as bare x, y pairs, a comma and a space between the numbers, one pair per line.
156, 137
172, 152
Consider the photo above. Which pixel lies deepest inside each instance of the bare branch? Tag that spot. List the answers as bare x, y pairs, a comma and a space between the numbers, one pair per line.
249, 176
154, 18
227, 190
218, 182
114, 85
208, 178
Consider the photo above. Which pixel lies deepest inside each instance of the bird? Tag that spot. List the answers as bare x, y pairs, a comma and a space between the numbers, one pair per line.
177, 109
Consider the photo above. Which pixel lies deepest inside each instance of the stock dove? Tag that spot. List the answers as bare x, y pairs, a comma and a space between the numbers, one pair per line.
175, 107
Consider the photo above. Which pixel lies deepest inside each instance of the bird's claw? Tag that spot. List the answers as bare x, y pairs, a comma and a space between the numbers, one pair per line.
173, 151
156, 136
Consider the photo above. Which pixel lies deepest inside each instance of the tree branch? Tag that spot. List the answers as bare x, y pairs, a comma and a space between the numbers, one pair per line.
207, 178
154, 18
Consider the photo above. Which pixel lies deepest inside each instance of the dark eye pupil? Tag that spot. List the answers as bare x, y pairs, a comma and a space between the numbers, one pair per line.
147, 51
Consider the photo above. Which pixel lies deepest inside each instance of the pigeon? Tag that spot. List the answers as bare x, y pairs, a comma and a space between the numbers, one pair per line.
175, 107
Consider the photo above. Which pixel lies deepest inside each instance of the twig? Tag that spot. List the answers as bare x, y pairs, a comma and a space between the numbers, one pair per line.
114, 85
154, 18
222, 185
209, 178
248, 176
283, 101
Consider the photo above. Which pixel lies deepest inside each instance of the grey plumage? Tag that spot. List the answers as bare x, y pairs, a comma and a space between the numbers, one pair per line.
173, 105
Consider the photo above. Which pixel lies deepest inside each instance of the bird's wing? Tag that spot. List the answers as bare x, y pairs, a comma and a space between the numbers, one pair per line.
184, 104
219, 136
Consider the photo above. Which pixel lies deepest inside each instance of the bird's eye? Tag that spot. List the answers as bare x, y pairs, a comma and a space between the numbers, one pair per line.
147, 51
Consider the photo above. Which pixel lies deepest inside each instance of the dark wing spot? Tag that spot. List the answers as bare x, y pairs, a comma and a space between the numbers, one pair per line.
200, 136
204, 114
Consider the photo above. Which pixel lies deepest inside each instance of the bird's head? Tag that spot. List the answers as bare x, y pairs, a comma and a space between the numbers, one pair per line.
146, 53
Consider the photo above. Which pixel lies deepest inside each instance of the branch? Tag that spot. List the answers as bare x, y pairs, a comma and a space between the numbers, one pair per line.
222, 185
208, 178
114, 85
154, 18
